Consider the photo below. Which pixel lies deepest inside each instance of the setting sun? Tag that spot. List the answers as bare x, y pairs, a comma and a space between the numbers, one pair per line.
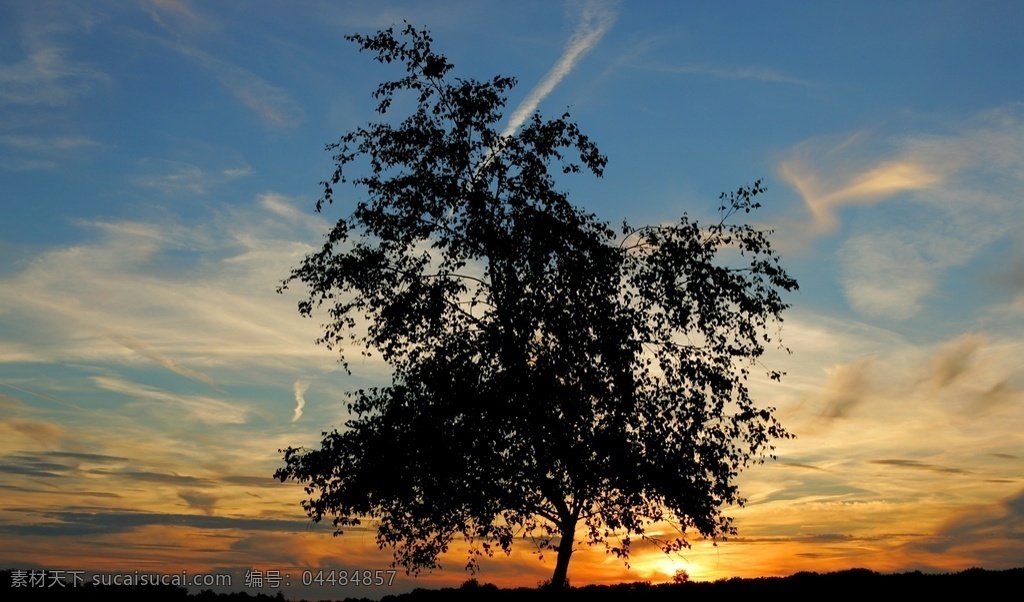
161, 164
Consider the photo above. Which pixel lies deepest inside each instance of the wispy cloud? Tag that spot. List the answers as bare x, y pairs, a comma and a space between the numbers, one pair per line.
148, 352
199, 500
177, 177
871, 425
1009, 276
917, 464
183, 20
969, 168
40, 144
187, 26
148, 476
195, 298
971, 374
954, 359
987, 535
48, 73
594, 19
46, 76
176, 7
271, 103
284, 210
33, 357
199, 407
885, 274
847, 387
962, 187
759, 74
28, 164
299, 387
34, 152
43, 432
825, 194
79, 523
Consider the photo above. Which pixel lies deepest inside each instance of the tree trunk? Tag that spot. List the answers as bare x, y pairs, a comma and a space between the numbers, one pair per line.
560, 579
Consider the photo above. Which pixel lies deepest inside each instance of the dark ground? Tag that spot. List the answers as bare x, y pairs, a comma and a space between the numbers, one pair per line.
973, 582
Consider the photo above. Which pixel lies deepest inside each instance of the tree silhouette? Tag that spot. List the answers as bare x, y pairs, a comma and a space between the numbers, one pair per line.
552, 379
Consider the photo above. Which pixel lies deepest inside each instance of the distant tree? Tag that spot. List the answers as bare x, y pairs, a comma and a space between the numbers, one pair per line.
552, 379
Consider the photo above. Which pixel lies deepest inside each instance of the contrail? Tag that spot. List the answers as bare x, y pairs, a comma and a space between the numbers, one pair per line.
594, 20
44, 396
148, 352
300, 401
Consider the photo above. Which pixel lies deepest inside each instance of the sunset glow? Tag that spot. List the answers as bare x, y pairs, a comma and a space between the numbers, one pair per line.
160, 162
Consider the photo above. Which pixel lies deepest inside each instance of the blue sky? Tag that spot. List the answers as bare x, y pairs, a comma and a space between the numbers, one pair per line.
159, 164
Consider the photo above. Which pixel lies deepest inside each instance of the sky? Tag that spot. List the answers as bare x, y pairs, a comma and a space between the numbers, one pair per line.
159, 165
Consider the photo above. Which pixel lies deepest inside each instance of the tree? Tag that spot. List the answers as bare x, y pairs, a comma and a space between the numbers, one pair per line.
552, 379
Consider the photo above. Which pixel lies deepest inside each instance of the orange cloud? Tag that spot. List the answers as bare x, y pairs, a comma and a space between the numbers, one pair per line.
44, 433
867, 187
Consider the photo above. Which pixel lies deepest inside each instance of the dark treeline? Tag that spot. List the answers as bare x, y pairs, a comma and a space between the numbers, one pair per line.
801, 585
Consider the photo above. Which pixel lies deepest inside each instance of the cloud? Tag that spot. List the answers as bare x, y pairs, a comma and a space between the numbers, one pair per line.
955, 358
27, 165
801, 465
31, 467
969, 170
283, 207
973, 374
202, 408
300, 401
1002, 392
765, 75
46, 76
152, 354
870, 426
199, 500
40, 144
33, 152
824, 196
949, 196
252, 481
919, 465
884, 275
1005, 456
62, 465
985, 535
177, 177
594, 19
271, 103
79, 524
63, 492
85, 457
847, 387
148, 476
1010, 276
809, 489
33, 357
45, 433
183, 20
201, 296
175, 7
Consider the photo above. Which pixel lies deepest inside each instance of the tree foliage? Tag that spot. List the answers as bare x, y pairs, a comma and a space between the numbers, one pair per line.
553, 378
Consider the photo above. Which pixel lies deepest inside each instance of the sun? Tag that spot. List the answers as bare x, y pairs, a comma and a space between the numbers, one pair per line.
664, 568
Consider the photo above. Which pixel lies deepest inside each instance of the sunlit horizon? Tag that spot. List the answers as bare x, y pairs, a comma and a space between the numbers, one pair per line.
160, 162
